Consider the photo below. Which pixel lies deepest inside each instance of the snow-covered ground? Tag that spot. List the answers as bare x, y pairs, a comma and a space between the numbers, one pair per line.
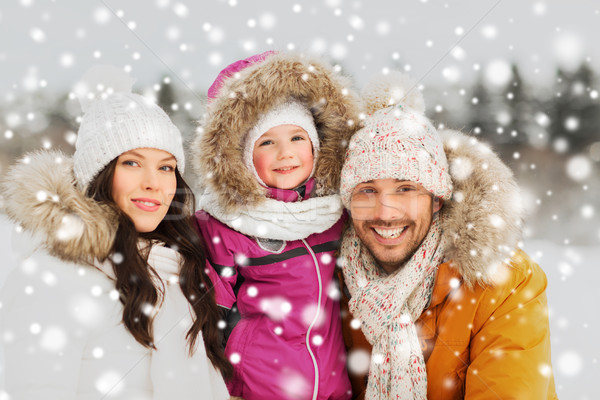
573, 295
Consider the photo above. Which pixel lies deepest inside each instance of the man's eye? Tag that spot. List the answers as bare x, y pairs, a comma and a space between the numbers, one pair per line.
366, 191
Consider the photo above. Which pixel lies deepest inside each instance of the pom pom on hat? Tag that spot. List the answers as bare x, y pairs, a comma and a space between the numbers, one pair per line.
391, 89
116, 121
397, 140
101, 81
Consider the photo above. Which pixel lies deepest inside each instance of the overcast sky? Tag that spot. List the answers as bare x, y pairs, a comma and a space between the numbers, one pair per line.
48, 44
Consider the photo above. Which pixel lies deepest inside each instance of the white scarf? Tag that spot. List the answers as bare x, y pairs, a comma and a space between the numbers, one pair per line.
174, 374
274, 219
388, 306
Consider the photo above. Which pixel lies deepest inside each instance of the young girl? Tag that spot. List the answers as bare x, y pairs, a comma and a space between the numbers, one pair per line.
271, 151
112, 301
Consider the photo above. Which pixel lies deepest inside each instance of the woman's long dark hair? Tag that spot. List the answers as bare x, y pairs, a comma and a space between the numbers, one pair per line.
135, 279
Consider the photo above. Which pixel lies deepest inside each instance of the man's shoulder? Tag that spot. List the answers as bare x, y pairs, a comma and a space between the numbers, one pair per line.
515, 283
519, 274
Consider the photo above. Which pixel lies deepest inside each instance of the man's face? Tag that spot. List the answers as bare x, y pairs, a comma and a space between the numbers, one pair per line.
392, 218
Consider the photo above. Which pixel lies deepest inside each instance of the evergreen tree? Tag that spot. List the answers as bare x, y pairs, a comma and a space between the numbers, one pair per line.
481, 117
518, 104
166, 96
575, 115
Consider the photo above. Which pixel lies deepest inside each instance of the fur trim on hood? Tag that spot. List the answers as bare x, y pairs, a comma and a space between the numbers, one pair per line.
41, 196
217, 151
483, 220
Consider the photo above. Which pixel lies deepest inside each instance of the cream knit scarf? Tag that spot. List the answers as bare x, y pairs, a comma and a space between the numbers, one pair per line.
388, 306
274, 219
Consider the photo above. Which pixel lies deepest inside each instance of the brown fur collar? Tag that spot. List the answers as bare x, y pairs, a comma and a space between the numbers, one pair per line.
217, 152
41, 196
483, 220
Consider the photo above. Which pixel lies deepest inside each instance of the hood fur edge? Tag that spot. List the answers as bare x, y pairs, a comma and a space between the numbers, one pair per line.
41, 196
483, 220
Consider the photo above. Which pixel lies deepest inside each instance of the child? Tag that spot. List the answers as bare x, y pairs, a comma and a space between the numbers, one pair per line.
271, 152
112, 301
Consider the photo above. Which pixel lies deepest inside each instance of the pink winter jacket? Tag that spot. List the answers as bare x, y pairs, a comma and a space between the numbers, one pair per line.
288, 341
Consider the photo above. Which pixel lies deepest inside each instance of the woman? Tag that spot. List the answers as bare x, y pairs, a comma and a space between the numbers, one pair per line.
113, 300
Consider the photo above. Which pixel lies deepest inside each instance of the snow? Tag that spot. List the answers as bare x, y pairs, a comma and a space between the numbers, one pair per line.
573, 277
569, 48
446, 45
579, 168
498, 73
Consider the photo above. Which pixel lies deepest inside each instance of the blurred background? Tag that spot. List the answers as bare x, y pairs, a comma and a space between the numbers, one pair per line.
523, 76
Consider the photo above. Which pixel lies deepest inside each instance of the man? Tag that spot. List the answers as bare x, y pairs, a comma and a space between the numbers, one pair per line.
437, 290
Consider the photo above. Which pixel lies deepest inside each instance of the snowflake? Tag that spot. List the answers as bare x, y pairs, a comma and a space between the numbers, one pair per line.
110, 383
102, 16
579, 168
498, 73
37, 35
570, 363
98, 352
53, 339
569, 50
489, 32
235, 358
181, 10
276, 308
356, 22
267, 21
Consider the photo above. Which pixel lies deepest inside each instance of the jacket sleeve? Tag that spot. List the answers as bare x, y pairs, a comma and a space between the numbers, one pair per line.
221, 257
510, 351
43, 340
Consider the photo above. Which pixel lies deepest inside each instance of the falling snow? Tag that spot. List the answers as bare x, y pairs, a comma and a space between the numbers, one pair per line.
560, 181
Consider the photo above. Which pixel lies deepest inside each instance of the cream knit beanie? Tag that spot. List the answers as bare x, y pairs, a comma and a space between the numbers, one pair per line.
292, 112
397, 141
116, 121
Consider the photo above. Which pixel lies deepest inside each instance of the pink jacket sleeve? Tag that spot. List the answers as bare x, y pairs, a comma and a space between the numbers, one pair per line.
220, 258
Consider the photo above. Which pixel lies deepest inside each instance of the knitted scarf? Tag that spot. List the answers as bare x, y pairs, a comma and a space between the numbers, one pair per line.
388, 306
274, 219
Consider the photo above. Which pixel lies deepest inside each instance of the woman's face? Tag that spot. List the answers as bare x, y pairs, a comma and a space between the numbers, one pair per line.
143, 186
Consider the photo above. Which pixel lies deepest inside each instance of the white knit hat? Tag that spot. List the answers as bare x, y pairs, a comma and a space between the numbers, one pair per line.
397, 141
291, 112
116, 121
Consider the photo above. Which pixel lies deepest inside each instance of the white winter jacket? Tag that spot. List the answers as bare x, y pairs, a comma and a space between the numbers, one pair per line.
61, 321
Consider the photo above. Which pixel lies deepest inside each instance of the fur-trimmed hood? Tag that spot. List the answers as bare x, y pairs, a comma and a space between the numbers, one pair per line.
482, 222
217, 151
41, 196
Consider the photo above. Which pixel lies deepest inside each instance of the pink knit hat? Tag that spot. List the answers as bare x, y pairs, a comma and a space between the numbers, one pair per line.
397, 141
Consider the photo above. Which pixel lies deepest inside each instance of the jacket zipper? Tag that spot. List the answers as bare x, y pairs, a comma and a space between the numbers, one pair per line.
315, 319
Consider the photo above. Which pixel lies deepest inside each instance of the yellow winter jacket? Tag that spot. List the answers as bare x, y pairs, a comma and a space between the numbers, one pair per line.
483, 343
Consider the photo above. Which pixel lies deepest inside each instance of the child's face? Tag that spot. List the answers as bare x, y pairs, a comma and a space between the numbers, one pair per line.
283, 156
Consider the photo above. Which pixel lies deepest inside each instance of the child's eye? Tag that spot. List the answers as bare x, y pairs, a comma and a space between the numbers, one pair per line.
406, 189
295, 138
266, 143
